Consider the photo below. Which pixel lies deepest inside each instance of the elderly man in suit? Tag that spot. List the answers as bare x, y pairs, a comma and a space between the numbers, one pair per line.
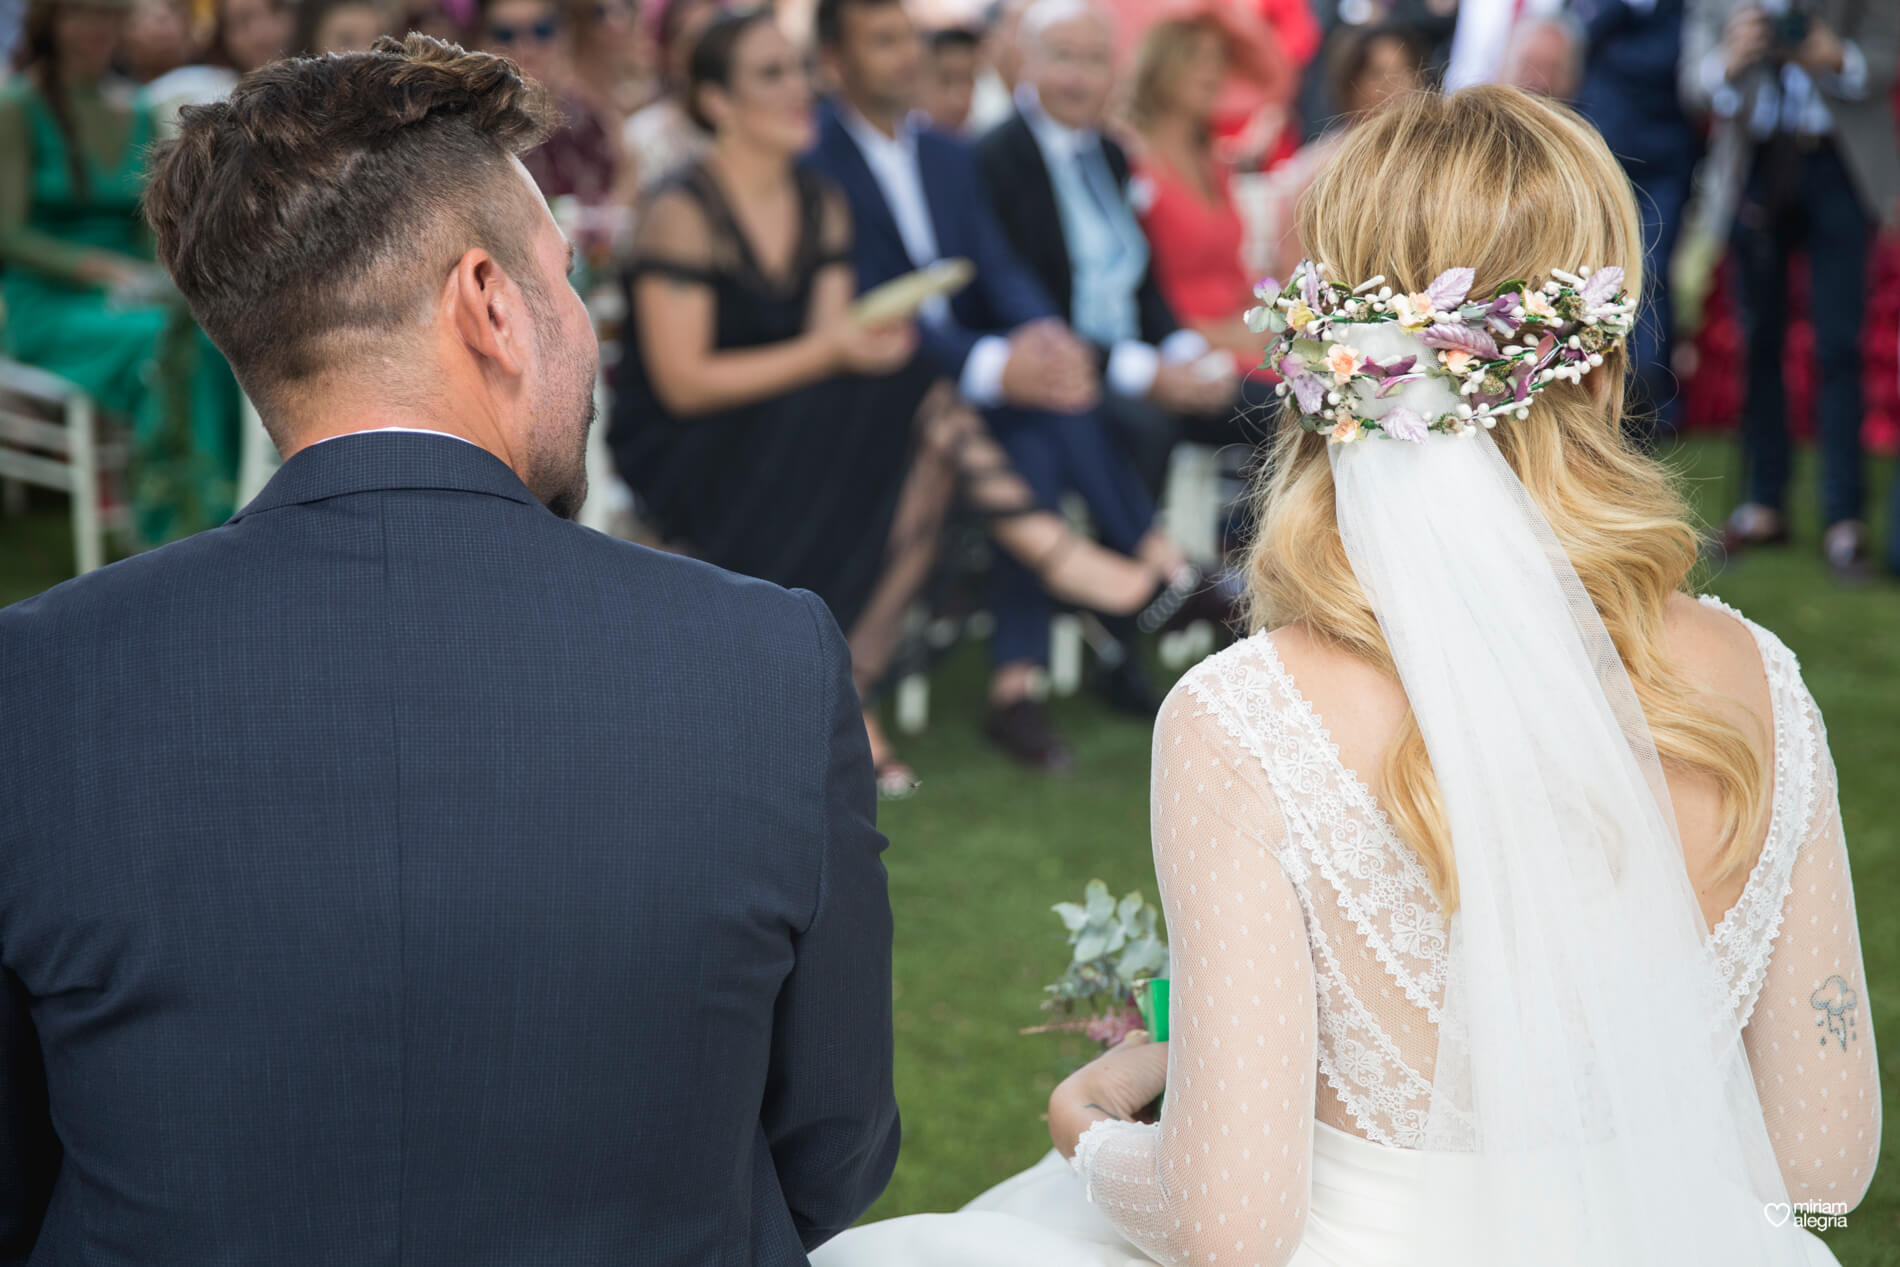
1804, 149
1059, 188
401, 872
917, 196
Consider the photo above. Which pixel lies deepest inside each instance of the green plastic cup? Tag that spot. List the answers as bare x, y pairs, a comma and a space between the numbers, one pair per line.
1152, 997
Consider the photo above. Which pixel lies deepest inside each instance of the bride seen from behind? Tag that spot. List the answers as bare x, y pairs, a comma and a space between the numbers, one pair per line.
1442, 969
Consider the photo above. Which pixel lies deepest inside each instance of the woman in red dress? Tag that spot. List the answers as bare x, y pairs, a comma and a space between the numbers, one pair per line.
1194, 229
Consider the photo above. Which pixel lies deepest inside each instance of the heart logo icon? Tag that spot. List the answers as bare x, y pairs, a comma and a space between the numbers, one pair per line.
1777, 1212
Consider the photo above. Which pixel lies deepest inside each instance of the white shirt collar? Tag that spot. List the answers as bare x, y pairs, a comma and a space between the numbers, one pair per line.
1055, 138
414, 431
869, 138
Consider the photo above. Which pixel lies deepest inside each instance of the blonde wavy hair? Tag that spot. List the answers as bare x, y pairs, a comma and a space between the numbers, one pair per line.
1511, 186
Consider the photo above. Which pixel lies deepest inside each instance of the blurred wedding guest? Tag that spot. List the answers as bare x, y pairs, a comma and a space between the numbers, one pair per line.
916, 197
338, 26
1430, 24
1370, 66
158, 39
994, 96
950, 78
402, 871
609, 51
581, 160
1804, 143
12, 19
1628, 91
763, 427
1059, 187
82, 295
661, 137
1193, 226
1482, 42
1544, 56
439, 19
245, 34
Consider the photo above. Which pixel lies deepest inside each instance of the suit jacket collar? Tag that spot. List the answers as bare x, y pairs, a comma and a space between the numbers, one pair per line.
377, 461
849, 165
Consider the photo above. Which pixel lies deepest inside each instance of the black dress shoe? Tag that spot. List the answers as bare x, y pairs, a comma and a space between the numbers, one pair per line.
1022, 729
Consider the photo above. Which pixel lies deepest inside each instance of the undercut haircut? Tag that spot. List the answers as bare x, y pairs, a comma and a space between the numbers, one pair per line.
326, 201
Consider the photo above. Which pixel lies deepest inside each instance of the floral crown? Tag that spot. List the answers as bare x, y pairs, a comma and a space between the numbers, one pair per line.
1366, 361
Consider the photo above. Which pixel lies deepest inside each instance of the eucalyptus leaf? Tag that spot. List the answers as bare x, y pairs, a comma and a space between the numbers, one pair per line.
1073, 916
1090, 946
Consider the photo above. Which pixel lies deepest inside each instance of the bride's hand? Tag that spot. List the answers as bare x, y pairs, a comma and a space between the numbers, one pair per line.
1119, 1083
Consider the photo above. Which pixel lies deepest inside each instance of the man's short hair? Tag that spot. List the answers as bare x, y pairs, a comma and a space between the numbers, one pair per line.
952, 39
324, 203
828, 21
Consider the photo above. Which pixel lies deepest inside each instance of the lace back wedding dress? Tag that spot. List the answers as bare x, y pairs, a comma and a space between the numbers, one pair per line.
1310, 963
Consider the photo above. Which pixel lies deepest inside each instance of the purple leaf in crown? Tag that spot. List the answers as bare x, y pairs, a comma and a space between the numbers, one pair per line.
1396, 384
1502, 305
1454, 338
1449, 288
1544, 347
1405, 424
1372, 369
1309, 284
1267, 289
1311, 392
1601, 286
1521, 383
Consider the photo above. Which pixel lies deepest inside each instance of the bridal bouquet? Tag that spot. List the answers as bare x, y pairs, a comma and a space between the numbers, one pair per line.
1116, 980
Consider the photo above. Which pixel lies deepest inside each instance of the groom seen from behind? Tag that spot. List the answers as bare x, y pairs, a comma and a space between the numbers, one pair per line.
402, 873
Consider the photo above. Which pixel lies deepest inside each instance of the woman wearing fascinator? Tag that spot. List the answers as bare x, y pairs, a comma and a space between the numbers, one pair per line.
1505, 881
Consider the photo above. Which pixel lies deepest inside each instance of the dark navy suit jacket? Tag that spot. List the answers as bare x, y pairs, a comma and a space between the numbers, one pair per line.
1629, 87
400, 874
1004, 294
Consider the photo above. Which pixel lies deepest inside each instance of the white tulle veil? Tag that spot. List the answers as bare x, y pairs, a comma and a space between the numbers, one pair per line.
1588, 1068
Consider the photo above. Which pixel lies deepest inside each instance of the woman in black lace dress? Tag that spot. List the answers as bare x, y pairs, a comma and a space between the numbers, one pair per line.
766, 431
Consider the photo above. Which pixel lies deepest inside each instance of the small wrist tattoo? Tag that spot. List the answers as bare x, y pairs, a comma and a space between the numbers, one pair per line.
1113, 1117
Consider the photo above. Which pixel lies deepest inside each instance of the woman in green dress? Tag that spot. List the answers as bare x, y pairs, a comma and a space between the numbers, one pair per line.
83, 298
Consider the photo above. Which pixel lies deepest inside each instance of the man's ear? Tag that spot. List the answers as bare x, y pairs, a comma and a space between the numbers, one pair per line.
488, 312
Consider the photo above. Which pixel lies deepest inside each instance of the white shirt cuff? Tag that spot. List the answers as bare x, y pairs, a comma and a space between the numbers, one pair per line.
982, 381
1131, 368
1724, 100
1184, 346
1851, 83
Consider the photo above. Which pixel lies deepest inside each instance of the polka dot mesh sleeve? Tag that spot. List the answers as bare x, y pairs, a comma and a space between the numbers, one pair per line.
1224, 1177
1810, 1037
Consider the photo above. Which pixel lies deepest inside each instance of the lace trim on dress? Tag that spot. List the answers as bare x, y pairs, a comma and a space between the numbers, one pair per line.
1744, 940
1336, 829
1090, 1142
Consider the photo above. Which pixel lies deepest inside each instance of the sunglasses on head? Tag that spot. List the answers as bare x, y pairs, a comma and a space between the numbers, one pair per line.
541, 32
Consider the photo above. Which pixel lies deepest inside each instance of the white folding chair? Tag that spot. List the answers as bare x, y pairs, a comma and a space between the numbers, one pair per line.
49, 438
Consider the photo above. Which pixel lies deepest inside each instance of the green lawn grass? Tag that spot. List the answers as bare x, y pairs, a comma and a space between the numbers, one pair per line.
978, 857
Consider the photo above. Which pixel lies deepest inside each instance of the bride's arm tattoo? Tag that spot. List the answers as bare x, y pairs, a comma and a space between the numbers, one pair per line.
1835, 1004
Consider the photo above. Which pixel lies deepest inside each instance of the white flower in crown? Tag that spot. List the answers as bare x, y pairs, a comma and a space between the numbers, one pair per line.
1538, 305
1346, 430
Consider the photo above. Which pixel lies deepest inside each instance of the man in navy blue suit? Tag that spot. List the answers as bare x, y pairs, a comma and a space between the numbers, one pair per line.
916, 196
401, 873
1629, 91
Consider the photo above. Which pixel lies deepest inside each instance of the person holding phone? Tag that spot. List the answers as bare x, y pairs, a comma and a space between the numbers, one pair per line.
767, 428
